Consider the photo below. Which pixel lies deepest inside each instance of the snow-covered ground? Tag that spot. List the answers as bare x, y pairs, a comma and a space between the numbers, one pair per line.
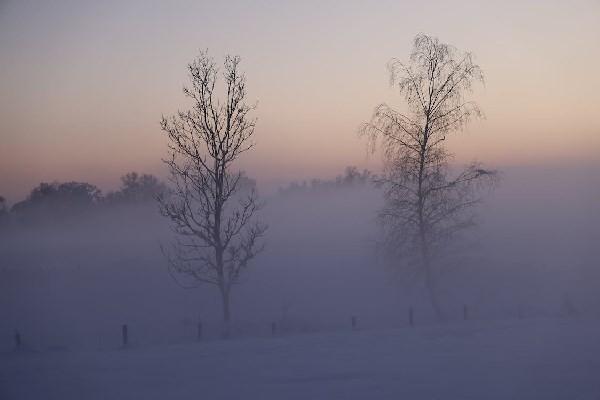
518, 359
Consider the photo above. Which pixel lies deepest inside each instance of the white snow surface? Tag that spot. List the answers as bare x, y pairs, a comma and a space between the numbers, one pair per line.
541, 358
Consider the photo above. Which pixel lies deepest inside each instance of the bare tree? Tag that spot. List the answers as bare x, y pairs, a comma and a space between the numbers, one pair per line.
3, 211
211, 207
136, 189
425, 204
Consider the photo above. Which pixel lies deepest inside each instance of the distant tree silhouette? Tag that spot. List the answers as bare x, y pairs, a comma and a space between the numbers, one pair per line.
424, 204
212, 207
136, 189
351, 177
57, 200
3, 211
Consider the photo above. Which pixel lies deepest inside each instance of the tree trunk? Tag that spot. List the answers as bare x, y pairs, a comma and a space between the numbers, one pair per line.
424, 243
430, 283
433, 297
226, 312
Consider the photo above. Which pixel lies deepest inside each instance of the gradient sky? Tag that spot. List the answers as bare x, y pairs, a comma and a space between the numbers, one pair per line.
84, 84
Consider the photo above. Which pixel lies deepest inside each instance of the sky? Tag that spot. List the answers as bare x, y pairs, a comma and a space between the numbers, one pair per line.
84, 84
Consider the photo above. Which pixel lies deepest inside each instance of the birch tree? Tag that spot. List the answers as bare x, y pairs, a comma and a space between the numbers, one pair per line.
426, 201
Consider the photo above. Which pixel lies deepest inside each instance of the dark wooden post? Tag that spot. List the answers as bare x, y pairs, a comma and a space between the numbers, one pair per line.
411, 316
17, 340
125, 335
465, 312
354, 322
199, 330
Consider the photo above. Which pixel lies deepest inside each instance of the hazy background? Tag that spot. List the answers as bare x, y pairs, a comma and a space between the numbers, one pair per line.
84, 83
70, 282
83, 86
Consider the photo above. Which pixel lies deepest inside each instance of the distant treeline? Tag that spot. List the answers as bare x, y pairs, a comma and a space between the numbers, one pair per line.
49, 202
351, 177
60, 200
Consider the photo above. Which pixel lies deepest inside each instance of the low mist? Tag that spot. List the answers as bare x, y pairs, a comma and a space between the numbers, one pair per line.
72, 282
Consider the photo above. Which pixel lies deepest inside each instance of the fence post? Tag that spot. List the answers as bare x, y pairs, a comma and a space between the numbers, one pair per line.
125, 335
273, 328
354, 322
465, 312
411, 316
17, 340
199, 330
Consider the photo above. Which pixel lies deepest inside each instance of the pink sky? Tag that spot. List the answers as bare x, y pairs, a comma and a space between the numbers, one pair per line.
84, 84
